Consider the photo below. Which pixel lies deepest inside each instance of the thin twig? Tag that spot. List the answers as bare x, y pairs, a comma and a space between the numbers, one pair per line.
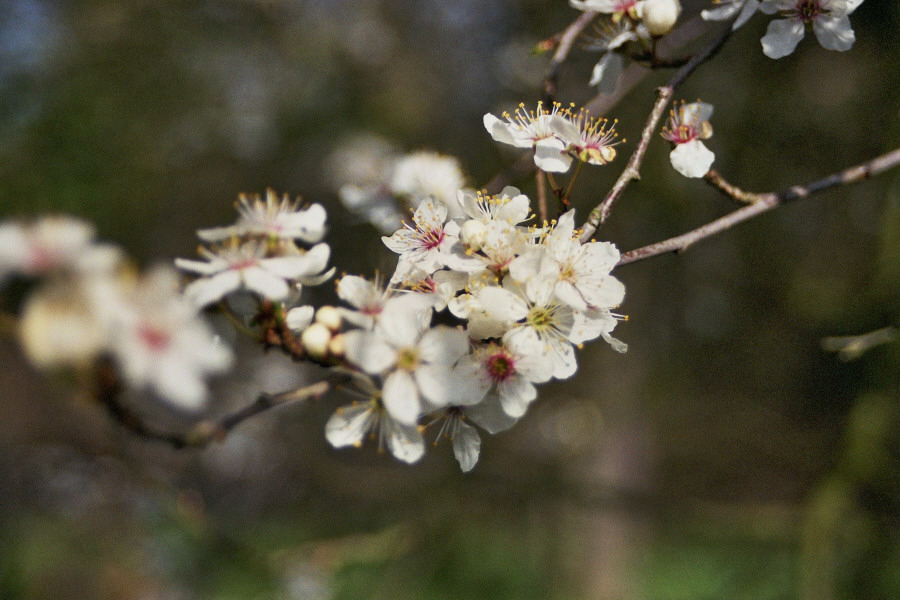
715, 179
566, 40
764, 203
632, 170
205, 431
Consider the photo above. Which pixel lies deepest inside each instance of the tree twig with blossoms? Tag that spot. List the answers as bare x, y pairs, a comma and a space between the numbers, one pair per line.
488, 300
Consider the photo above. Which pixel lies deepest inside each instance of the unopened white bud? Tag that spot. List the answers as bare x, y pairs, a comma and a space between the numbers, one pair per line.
330, 317
315, 340
337, 346
659, 16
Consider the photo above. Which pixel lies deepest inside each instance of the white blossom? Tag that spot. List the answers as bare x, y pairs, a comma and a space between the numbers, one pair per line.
415, 361
426, 244
581, 271
272, 219
688, 124
245, 266
541, 130
159, 341
423, 174
829, 20
349, 426
56, 242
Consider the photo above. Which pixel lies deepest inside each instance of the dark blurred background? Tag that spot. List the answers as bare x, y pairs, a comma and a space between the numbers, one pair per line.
726, 455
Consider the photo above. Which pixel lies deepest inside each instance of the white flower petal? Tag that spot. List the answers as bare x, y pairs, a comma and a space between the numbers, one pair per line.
490, 415
405, 442
401, 397
550, 155
349, 425
443, 345
264, 283
466, 446
203, 292
782, 37
369, 351
692, 159
834, 33
436, 383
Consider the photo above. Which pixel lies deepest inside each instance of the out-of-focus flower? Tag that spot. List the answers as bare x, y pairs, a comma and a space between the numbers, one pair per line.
234, 266
49, 243
272, 219
541, 130
829, 20
609, 37
689, 124
726, 9
159, 341
426, 174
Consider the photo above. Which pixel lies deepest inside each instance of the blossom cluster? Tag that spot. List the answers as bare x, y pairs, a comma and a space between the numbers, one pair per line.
90, 304
524, 298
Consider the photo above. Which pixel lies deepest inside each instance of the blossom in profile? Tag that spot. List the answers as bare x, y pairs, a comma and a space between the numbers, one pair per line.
609, 37
544, 131
596, 139
235, 266
272, 219
726, 9
159, 341
829, 19
687, 126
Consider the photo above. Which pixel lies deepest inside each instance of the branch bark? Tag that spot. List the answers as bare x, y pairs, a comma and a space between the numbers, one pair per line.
632, 170
764, 203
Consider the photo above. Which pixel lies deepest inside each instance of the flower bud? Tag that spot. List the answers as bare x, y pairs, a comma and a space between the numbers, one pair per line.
330, 317
337, 346
659, 16
315, 340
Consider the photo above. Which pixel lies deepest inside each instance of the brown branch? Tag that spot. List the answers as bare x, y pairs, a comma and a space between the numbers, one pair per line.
566, 40
764, 203
205, 431
716, 180
632, 170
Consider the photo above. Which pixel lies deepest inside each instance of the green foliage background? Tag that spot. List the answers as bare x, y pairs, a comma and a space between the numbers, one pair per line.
726, 455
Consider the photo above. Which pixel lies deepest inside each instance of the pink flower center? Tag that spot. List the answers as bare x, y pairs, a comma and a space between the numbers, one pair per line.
500, 366
153, 338
41, 258
681, 134
807, 10
240, 265
432, 238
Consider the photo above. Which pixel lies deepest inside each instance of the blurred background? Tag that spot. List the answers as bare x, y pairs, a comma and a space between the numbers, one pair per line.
725, 455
